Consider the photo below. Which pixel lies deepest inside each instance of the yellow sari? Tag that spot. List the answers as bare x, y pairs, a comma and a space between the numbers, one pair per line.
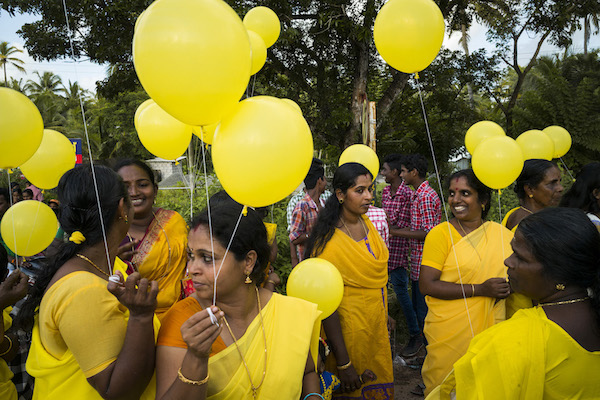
292, 329
162, 257
8, 391
448, 323
363, 311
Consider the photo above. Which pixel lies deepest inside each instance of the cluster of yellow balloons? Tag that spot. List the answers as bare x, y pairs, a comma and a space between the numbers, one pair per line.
552, 142
409, 33
264, 28
362, 154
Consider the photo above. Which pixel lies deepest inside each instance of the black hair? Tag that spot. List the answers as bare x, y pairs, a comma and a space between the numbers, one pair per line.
416, 161
78, 212
4, 192
3, 263
316, 172
581, 194
251, 233
484, 193
343, 179
533, 173
130, 161
567, 244
28, 191
395, 161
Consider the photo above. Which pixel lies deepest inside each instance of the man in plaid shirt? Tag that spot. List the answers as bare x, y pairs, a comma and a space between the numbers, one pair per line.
425, 213
306, 211
396, 201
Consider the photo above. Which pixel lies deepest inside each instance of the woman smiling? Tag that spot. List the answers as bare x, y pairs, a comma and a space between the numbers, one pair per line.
463, 276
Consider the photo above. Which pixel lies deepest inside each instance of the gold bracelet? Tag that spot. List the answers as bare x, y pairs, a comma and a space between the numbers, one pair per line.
10, 343
345, 366
271, 281
473, 290
189, 381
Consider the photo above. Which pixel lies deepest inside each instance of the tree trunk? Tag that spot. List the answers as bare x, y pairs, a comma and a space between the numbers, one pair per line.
586, 33
465, 45
359, 93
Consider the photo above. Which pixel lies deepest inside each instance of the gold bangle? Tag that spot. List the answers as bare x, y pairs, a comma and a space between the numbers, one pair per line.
10, 343
271, 281
345, 366
473, 290
189, 381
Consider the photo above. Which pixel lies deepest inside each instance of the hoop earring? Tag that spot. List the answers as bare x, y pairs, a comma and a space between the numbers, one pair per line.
341, 201
248, 280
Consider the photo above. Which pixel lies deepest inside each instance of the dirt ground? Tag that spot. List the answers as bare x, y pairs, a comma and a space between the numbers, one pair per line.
407, 377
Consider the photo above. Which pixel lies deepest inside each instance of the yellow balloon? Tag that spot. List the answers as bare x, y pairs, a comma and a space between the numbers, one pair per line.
265, 22
161, 134
497, 161
205, 133
193, 58
259, 52
561, 138
29, 227
318, 281
409, 33
21, 128
262, 151
362, 154
480, 131
140, 108
292, 104
536, 144
53, 158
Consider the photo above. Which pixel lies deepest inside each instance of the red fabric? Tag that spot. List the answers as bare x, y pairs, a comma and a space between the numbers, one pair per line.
397, 208
380, 221
425, 213
304, 218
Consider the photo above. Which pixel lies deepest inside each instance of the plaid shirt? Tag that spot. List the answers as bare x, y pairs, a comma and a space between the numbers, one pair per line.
397, 208
296, 198
425, 213
303, 219
380, 221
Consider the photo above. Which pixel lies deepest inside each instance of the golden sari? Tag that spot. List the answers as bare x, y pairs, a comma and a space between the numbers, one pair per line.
363, 311
292, 329
528, 357
161, 256
8, 391
451, 324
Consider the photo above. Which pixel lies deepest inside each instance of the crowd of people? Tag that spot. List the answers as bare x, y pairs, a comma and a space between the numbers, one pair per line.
133, 302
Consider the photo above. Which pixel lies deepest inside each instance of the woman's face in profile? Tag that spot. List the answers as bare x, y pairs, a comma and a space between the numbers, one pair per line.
525, 272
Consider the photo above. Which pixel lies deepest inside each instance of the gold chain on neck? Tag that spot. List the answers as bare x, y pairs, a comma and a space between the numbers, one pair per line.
92, 263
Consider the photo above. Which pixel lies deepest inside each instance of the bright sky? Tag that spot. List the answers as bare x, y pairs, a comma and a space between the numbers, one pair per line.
87, 73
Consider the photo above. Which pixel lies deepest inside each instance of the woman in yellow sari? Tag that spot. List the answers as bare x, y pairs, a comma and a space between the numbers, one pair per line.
551, 351
155, 243
246, 343
357, 331
463, 276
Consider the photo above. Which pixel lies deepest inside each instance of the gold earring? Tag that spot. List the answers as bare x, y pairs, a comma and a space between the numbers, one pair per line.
531, 196
560, 286
126, 219
341, 201
248, 280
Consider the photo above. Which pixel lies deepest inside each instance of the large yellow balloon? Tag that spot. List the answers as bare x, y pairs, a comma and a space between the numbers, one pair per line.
205, 133
497, 161
193, 58
362, 154
161, 134
259, 52
262, 151
21, 128
536, 144
265, 22
480, 131
409, 33
318, 281
140, 108
561, 138
28, 227
292, 104
53, 158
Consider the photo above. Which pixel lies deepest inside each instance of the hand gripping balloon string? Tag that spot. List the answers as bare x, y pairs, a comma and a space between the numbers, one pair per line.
116, 279
213, 319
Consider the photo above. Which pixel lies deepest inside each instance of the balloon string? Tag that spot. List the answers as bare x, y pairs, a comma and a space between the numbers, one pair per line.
437, 174
210, 230
501, 231
226, 252
37, 212
567, 169
10, 199
87, 137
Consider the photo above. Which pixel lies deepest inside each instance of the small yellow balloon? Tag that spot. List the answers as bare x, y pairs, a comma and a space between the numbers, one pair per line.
292, 104
536, 144
193, 58
53, 158
262, 151
561, 139
21, 128
265, 22
318, 281
497, 161
259, 52
140, 108
28, 227
362, 154
205, 133
409, 34
161, 134
480, 131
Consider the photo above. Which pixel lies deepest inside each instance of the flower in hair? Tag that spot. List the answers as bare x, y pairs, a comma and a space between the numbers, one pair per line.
77, 237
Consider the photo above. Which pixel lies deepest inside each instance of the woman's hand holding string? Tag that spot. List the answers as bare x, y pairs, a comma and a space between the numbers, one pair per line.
497, 288
199, 332
137, 294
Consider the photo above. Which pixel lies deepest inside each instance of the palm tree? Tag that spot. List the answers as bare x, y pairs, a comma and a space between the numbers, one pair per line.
49, 84
5, 58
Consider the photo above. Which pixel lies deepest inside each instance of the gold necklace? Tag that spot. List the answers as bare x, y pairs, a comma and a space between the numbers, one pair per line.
526, 209
558, 303
254, 388
469, 239
92, 263
350, 233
